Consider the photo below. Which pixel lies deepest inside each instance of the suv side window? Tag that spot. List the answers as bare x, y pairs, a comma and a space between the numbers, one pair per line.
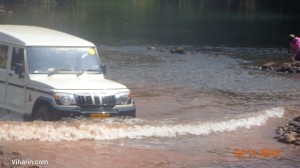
3, 55
17, 57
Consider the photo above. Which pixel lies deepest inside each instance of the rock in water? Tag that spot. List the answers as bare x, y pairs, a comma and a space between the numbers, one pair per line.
179, 50
295, 63
151, 48
280, 131
269, 65
290, 138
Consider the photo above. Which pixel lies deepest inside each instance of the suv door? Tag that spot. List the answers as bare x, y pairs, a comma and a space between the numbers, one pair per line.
16, 82
3, 71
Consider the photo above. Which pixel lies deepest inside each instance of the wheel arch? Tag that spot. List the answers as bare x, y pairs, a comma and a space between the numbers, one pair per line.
41, 101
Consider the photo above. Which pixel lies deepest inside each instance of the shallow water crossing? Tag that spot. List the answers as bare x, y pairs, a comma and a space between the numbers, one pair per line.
114, 129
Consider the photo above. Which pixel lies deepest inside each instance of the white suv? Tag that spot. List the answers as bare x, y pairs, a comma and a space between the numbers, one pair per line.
50, 74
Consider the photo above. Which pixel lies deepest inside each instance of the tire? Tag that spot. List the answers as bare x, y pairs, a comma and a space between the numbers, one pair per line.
43, 113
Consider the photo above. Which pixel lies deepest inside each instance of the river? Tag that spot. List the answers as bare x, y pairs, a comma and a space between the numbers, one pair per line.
210, 107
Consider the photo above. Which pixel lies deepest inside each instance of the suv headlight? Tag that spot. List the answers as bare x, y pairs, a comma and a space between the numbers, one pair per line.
123, 98
64, 99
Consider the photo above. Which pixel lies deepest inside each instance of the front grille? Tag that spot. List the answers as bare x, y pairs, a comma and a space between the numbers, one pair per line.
84, 100
96, 100
108, 100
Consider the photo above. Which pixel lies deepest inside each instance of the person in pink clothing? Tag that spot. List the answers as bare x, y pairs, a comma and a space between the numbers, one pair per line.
295, 47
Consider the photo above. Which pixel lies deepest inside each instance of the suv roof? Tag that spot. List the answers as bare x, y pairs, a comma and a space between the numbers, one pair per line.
39, 36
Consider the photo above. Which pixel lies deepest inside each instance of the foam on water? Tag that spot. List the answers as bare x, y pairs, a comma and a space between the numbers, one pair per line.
131, 128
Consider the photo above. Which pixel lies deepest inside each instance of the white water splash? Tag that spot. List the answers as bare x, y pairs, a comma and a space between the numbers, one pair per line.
116, 129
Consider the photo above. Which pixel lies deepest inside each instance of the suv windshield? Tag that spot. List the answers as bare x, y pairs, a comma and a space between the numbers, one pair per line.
63, 60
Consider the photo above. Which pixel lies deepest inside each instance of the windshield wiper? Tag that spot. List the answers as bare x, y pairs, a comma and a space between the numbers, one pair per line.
53, 71
88, 70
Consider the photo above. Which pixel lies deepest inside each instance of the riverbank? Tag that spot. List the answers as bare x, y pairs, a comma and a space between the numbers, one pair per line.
289, 133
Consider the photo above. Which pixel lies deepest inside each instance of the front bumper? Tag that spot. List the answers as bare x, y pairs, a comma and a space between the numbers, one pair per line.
128, 110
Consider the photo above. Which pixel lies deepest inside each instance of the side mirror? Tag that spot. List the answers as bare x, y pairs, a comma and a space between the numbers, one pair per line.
19, 70
103, 68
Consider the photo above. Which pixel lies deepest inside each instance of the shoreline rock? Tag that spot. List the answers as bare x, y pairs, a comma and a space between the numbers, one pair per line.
290, 67
289, 133
269, 65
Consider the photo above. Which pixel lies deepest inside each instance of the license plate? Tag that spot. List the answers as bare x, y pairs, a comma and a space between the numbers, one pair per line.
104, 115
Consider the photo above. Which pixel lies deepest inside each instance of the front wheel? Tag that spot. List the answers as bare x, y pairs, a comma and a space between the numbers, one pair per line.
43, 113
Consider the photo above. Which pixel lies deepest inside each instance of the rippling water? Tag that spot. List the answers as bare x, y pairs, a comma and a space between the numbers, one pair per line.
193, 110
111, 129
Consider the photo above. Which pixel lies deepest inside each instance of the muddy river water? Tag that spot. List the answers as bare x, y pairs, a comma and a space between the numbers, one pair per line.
193, 110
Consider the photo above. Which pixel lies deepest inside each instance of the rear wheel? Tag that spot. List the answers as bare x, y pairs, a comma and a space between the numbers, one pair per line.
43, 113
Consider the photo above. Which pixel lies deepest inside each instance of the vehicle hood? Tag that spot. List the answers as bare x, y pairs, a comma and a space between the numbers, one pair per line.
76, 84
